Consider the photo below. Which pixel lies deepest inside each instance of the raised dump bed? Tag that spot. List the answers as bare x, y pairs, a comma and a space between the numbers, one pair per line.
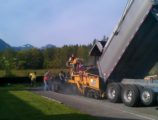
130, 54
131, 51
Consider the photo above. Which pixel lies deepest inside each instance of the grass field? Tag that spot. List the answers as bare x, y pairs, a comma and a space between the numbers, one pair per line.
16, 103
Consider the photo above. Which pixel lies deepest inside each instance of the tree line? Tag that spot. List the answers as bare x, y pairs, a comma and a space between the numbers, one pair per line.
42, 58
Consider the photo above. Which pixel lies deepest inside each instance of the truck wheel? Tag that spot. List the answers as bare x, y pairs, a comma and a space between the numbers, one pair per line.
114, 92
130, 95
148, 97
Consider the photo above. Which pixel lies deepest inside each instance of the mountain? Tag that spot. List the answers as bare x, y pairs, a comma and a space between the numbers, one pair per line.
48, 46
4, 45
24, 47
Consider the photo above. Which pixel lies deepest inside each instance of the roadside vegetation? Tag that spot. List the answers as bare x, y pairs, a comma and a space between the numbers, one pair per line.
41, 58
20, 104
19, 63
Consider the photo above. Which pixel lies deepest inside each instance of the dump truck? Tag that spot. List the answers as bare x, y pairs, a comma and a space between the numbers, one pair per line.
125, 59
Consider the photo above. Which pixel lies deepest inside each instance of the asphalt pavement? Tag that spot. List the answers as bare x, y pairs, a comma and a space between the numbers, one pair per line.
102, 109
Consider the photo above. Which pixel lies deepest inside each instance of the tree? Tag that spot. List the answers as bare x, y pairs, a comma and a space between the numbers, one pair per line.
38, 59
30, 59
8, 61
48, 55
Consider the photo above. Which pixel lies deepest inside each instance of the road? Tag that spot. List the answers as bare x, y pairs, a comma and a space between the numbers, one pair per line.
102, 109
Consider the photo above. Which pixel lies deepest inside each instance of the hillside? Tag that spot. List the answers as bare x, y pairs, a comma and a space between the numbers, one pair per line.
4, 45
24, 47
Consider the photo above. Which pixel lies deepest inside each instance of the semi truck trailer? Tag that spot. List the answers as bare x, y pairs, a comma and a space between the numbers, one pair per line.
126, 58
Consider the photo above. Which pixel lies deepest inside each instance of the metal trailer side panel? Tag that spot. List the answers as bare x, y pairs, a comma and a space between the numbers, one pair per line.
123, 35
152, 84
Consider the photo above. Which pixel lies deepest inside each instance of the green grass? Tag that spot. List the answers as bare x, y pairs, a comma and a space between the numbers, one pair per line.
19, 104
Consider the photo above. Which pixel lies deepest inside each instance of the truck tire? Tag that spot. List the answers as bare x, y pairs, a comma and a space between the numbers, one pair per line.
130, 95
148, 97
114, 92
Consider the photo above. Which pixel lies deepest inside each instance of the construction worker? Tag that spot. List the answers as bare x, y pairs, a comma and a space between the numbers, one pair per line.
46, 80
32, 76
72, 63
79, 65
62, 76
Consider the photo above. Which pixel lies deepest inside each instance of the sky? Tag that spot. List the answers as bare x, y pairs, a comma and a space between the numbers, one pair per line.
58, 22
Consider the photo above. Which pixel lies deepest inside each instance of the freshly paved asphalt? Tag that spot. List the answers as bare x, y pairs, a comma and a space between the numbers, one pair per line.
102, 109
